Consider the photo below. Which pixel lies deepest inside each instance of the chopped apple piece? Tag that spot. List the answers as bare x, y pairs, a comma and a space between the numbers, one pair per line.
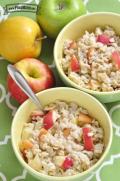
84, 119
74, 64
36, 163
68, 163
87, 139
104, 39
43, 131
49, 120
116, 58
25, 145
73, 45
59, 160
42, 134
66, 132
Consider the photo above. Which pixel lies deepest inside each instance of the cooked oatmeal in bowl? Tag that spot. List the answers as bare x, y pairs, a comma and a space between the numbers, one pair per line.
67, 141
93, 60
64, 141
87, 55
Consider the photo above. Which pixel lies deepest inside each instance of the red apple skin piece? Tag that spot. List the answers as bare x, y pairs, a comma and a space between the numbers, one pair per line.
103, 39
74, 64
116, 58
38, 75
68, 163
88, 142
48, 121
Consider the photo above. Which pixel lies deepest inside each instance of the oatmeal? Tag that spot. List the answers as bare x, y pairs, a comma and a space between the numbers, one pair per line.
63, 141
93, 61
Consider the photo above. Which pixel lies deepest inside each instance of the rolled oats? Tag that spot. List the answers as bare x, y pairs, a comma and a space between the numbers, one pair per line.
95, 60
63, 141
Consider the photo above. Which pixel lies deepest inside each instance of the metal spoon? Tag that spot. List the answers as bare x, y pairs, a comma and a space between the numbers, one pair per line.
23, 84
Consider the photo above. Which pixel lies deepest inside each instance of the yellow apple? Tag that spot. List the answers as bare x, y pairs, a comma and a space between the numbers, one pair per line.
20, 37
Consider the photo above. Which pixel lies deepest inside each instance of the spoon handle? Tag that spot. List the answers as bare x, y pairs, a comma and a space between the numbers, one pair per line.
23, 84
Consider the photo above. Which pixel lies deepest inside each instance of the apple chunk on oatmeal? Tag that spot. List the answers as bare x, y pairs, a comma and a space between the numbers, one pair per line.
63, 141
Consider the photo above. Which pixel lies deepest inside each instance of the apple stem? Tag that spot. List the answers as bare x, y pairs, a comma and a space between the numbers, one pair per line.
61, 6
41, 38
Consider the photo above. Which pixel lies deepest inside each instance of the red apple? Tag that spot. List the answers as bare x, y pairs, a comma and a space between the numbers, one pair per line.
38, 75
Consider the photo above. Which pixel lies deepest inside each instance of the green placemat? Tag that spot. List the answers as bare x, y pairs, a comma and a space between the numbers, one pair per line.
10, 169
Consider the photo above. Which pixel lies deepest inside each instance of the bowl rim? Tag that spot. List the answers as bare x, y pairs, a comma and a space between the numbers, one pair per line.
66, 178
57, 64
